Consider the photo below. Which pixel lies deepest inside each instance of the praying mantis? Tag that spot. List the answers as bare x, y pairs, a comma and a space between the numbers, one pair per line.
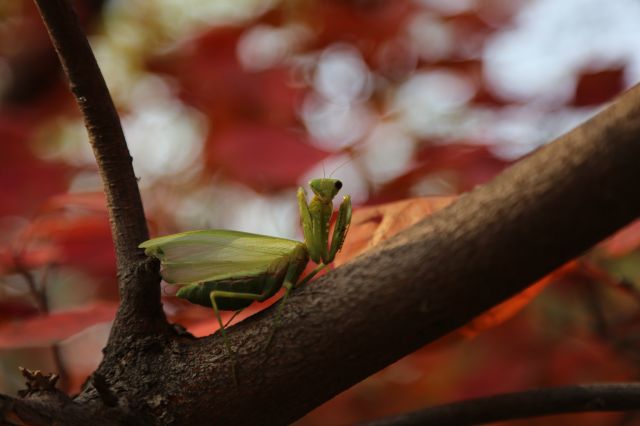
229, 270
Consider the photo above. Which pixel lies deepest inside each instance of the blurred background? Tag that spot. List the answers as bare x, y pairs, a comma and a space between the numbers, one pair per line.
228, 106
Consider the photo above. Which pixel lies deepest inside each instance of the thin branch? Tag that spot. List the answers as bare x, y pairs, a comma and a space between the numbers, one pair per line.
59, 364
522, 405
140, 295
39, 295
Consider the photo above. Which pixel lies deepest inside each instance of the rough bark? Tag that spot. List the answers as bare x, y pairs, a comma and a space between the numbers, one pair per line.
420, 285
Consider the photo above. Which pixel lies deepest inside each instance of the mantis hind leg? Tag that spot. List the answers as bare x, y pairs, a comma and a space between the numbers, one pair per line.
235, 314
232, 295
225, 339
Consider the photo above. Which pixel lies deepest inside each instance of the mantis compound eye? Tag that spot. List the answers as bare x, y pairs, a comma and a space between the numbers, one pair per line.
338, 184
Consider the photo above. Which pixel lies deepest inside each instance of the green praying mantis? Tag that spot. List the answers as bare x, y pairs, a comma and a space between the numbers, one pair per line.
229, 270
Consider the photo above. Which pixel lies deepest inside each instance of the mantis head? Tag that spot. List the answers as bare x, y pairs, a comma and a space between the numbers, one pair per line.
325, 188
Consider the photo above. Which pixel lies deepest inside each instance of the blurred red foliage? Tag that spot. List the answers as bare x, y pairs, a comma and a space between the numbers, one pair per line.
71, 230
595, 88
255, 135
352, 22
26, 180
471, 164
51, 328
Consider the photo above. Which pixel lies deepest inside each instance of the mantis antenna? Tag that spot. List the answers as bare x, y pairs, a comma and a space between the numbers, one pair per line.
344, 163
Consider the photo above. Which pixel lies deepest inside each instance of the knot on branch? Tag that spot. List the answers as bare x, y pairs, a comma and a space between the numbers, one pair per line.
104, 390
140, 272
181, 331
148, 268
38, 382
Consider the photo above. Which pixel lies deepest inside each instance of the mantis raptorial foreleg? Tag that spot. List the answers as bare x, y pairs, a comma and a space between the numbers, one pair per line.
311, 274
309, 228
340, 228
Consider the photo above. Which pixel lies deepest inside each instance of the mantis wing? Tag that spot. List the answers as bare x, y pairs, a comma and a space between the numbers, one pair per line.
212, 255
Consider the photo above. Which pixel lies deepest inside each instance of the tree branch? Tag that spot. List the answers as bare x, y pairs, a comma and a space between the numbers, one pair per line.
426, 282
139, 289
522, 405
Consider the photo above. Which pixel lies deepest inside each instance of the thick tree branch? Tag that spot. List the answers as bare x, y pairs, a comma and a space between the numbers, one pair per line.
521, 405
140, 293
426, 282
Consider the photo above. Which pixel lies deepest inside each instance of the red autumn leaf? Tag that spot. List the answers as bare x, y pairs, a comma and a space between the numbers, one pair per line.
45, 330
351, 22
372, 225
595, 88
502, 312
73, 229
88, 201
623, 242
20, 168
471, 165
16, 308
264, 158
212, 79
82, 241
14, 258
70, 227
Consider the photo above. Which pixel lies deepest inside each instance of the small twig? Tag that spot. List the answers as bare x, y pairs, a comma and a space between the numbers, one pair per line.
615, 333
521, 405
602, 275
593, 301
63, 375
38, 382
36, 293
40, 296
